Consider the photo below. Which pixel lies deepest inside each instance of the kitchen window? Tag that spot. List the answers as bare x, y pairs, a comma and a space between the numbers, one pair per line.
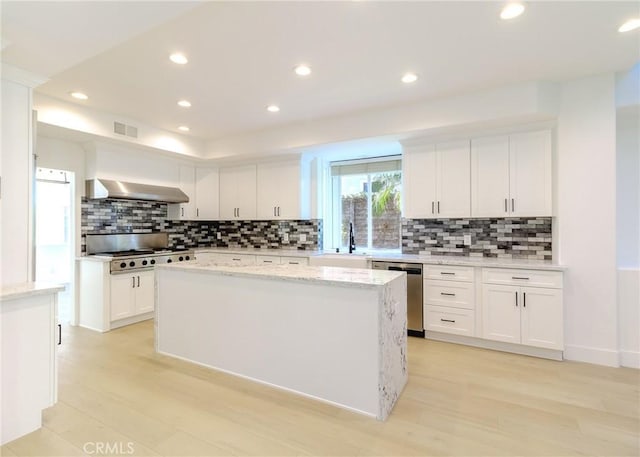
365, 194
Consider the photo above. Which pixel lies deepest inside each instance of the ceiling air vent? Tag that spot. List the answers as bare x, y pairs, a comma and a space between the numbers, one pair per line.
123, 129
119, 128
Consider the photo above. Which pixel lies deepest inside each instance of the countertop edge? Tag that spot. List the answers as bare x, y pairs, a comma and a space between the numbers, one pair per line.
29, 289
244, 271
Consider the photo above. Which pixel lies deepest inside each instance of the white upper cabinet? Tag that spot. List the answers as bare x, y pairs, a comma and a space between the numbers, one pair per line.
511, 175
201, 186
278, 190
436, 180
490, 177
238, 192
530, 174
453, 179
207, 200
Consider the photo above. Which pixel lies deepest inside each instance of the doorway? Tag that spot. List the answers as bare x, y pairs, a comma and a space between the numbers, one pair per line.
54, 235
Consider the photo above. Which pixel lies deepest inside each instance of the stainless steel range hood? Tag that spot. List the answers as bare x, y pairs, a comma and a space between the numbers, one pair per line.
107, 188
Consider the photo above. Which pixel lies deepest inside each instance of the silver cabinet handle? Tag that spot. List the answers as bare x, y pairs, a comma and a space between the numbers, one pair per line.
506, 209
197, 212
274, 210
138, 281
294, 263
438, 206
524, 299
447, 273
447, 294
133, 282
182, 211
432, 207
516, 299
448, 320
519, 277
278, 211
237, 260
267, 261
513, 205
238, 212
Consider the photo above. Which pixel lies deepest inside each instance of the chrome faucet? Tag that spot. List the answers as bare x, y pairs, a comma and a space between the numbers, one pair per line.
352, 240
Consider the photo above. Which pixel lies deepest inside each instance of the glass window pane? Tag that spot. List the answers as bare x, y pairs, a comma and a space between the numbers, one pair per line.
385, 211
353, 194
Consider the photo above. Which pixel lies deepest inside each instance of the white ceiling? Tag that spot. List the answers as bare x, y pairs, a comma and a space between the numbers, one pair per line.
242, 54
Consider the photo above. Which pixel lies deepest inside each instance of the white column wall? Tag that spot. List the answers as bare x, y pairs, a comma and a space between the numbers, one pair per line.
16, 168
586, 218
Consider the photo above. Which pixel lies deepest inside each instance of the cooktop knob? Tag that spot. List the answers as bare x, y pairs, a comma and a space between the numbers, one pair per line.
122, 264
144, 262
132, 264
180, 258
169, 260
153, 261
187, 258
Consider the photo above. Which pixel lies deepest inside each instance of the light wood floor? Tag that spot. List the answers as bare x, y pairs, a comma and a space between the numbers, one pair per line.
459, 401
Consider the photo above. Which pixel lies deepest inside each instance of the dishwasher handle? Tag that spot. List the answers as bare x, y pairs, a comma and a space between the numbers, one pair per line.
409, 271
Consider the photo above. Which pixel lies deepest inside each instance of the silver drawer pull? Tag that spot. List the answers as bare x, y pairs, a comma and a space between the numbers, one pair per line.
267, 261
519, 277
447, 294
447, 273
447, 320
294, 263
236, 260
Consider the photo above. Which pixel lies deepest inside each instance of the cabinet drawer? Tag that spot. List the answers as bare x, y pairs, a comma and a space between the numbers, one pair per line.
449, 320
294, 260
530, 278
456, 294
267, 260
448, 273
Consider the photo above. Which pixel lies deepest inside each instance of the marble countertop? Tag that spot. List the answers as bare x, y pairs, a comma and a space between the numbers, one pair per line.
347, 277
257, 251
28, 289
487, 262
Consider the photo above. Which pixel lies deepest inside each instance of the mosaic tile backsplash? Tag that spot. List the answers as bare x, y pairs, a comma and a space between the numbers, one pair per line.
521, 238
105, 216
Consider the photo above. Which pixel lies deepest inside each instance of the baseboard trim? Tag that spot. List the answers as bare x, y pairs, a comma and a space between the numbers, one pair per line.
596, 356
630, 359
495, 345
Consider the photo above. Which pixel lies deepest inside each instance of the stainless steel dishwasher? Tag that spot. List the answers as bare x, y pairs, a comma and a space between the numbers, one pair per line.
415, 325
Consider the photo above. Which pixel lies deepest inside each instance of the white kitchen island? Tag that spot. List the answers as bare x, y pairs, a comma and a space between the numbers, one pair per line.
335, 334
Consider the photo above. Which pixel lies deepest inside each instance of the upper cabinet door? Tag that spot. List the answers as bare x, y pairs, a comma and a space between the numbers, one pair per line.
187, 180
419, 182
490, 177
207, 189
278, 190
246, 192
453, 179
228, 195
530, 174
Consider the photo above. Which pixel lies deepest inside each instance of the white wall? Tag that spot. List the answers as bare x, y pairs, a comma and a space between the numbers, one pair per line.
586, 218
519, 103
16, 171
628, 231
74, 117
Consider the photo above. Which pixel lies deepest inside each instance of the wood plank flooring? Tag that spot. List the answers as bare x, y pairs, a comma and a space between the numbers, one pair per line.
115, 390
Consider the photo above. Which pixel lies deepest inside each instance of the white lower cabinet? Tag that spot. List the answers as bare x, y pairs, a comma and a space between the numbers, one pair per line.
132, 294
521, 314
449, 299
449, 320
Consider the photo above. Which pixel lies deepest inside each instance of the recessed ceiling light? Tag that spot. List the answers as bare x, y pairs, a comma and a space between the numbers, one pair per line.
79, 95
409, 78
183, 128
630, 25
273, 108
512, 10
302, 70
184, 103
178, 58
